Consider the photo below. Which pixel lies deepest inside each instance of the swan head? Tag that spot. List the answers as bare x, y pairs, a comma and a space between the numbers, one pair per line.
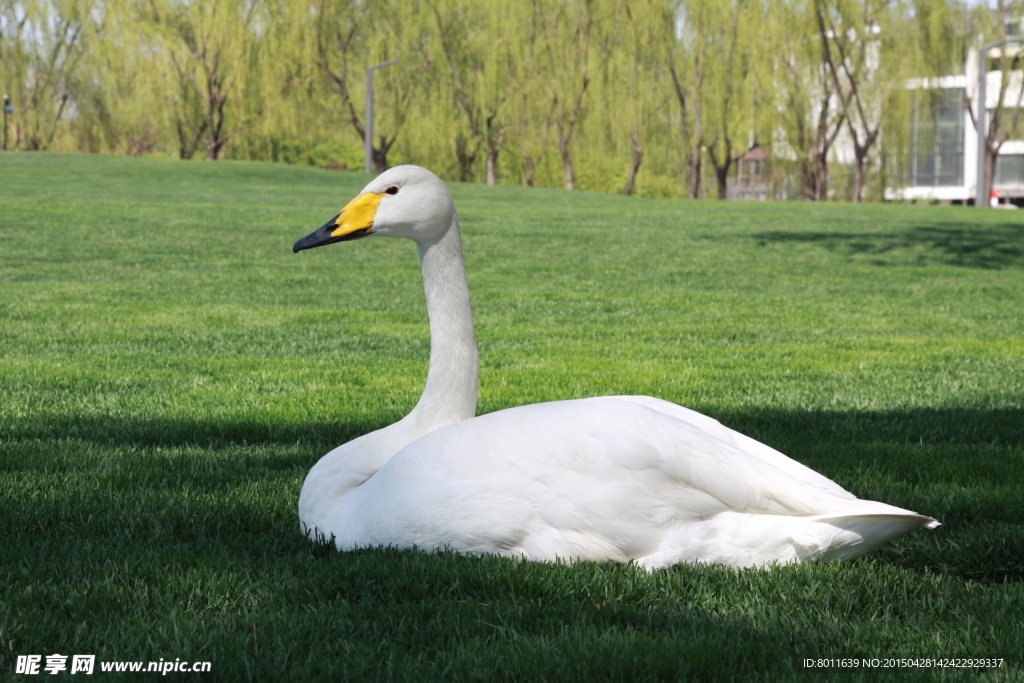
404, 201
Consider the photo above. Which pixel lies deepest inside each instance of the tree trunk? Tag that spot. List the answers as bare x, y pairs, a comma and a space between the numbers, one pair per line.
815, 179
495, 141
693, 164
638, 156
380, 159
694, 161
529, 169
691, 143
721, 169
722, 176
563, 147
808, 180
858, 176
990, 172
186, 144
492, 170
215, 145
820, 178
698, 134
465, 158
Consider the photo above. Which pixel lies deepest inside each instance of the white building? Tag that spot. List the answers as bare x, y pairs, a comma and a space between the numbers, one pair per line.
943, 159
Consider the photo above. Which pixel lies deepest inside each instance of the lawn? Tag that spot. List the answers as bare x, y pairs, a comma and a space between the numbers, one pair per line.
169, 372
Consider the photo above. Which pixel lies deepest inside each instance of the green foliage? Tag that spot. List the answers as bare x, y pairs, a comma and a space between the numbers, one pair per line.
42, 46
545, 93
339, 155
169, 372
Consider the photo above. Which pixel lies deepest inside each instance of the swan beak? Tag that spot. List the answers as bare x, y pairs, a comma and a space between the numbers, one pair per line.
351, 223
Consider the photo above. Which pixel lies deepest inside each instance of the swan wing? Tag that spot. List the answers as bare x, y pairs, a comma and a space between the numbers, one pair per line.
719, 431
604, 479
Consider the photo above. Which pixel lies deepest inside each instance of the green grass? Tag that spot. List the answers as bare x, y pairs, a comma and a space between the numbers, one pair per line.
169, 372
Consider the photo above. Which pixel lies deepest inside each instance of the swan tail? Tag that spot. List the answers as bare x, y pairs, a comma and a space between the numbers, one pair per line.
758, 540
849, 536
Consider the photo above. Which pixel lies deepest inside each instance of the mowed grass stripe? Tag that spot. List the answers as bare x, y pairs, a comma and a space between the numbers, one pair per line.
169, 371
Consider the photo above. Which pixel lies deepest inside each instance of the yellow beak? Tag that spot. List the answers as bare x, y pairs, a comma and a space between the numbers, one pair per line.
358, 215
351, 223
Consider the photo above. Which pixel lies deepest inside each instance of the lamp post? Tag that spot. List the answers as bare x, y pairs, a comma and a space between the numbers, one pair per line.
369, 111
8, 109
980, 198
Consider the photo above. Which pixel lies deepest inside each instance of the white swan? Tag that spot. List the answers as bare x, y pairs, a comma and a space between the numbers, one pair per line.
618, 478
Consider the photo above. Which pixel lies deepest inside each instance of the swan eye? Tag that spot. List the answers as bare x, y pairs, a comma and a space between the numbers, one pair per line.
392, 190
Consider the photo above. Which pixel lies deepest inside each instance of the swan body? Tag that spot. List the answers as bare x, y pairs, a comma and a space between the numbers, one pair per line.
619, 478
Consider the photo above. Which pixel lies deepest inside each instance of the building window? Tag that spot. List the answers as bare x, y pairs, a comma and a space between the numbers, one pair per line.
1009, 170
937, 138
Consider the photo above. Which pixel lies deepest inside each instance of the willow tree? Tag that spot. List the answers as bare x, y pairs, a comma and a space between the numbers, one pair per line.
633, 78
283, 93
576, 39
475, 57
352, 36
808, 103
1004, 118
124, 110
204, 48
687, 22
733, 46
532, 109
42, 43
869, 52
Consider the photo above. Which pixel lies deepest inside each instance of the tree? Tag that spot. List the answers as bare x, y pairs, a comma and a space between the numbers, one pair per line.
532, 107
474, 53
808, 104
533, 114
686, 21
281, 95
732, 41
576, 39
368, 32
529, 90
709, 58
637, 66
124, 108
867, 46
1003, 120
42, 43
207, 48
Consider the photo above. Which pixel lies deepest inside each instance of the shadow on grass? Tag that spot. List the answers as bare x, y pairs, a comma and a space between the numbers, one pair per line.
219, 483
172, 432
973, 246
914, 426
796, 427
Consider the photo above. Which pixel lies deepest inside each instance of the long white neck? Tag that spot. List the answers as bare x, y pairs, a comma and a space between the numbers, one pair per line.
449, 396
450, 393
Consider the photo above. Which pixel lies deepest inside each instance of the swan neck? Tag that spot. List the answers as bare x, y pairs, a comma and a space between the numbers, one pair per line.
451, 390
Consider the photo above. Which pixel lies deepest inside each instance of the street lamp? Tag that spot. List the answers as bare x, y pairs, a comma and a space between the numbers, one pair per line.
8, 109
979, 195
369, 111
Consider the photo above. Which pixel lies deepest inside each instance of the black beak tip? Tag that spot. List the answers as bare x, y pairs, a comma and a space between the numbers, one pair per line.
318, 237
309, 241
